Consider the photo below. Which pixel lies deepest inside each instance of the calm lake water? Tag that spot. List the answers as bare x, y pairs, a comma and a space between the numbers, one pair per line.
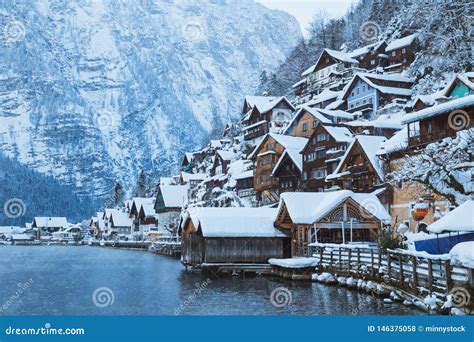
54, 280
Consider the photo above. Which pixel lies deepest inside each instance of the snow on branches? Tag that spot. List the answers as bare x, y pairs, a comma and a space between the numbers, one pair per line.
445, 167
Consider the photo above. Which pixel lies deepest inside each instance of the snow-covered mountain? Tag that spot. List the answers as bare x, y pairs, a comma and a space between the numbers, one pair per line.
93, 91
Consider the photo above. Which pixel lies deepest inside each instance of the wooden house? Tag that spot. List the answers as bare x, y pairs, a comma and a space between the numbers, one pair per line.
330, 217
147, 218
322, 154
462, 85
401, 53
186, 162
268, 117
266, 155
360, 169
49, 225
120, 224
135, 207
440, 121
191, 179
219, 237
170, 199
367, 92
331, 67
221, 162
288, 171
371, 56
244, 184
307, 119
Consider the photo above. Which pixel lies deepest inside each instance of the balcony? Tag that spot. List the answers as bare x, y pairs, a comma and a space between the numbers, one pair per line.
256, 130
415, 138
362, 108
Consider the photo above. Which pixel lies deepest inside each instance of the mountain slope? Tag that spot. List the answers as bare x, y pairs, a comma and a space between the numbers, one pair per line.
94, 91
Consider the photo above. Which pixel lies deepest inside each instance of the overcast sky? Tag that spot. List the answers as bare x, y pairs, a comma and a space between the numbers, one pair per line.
303, 10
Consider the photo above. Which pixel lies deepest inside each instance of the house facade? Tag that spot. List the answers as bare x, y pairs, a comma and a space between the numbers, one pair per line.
401, 53
322, 154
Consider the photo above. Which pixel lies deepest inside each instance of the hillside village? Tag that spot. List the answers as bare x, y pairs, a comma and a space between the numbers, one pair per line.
354, 157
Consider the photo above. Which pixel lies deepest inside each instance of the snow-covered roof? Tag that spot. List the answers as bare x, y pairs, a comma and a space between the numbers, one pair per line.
245, 174
312, 111
267, 106
50, 222
287, 141
391, 121
322, 203
335, 113
235, 222
365, 49
326, 95
295, 262
402, 42
299, 83
215, 144
368, 78
340, 134
398, 142
166, 180
227, 155
120, 219
464, 78
148, 209
371, 145
339, 55
258, 101
294, 155
460, 219
442, 108
189, 156
174, 196
192, 176
463, 254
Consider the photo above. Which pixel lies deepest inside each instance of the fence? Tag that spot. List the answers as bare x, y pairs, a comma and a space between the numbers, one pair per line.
413, 274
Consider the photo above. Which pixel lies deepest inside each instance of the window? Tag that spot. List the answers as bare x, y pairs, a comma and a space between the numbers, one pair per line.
305, 127
404, 50
393, 53
364, 89
318, 173
352, 94
404, 60
320, 153
271, 146
370, 100
372, 62
321, 137
315, 123
364, 102
357, 91
305, 175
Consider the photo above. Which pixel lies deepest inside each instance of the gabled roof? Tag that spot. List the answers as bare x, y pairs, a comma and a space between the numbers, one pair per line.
227, 155
266, 107
120, 219
370, 144
287, 141
326, 95
366, 49
322, 203
338, 55
192, 176
340, 134
295, 157
174, 196
401, 42
148, 209
235, 222
463, 78
368, 78
50, 222
443, 108
398, 142
258, 101
311, 111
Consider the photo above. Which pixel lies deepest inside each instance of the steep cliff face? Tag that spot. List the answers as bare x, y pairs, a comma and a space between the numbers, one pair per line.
94, 91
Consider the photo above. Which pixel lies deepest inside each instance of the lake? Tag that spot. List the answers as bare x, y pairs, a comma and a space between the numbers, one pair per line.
83, 280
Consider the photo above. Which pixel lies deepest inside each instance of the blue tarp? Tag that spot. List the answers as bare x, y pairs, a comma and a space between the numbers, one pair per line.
443, 244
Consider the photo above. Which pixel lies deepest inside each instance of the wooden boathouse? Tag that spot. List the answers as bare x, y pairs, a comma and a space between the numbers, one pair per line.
232, 239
